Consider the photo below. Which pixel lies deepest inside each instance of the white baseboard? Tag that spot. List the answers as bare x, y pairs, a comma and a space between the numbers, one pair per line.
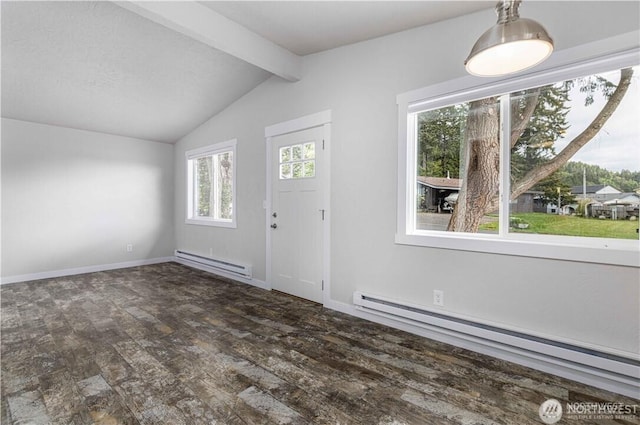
599, 378
82, 270
249, 281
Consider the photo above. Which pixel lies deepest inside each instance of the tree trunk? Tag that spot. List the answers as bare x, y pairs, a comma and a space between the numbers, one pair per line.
481, 159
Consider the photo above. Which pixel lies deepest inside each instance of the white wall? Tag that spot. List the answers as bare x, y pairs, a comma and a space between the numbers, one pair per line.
73, 199
588, 303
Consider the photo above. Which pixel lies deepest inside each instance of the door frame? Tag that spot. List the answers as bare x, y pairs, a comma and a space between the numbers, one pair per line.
320, 119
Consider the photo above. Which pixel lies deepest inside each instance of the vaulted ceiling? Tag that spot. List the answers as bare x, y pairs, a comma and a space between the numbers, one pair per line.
157, 70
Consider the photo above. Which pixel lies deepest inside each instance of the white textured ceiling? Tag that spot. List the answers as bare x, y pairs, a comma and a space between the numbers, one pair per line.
100, 67
306, 27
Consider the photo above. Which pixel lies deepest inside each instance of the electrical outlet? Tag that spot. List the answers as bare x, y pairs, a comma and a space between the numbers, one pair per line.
438, 297
129, 247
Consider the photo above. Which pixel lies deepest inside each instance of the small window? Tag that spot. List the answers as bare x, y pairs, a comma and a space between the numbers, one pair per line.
298, 161
211, 185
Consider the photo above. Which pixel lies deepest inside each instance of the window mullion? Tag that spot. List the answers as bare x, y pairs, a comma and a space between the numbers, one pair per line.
190, 183
411, 189
505, 164
216, 206
194, 190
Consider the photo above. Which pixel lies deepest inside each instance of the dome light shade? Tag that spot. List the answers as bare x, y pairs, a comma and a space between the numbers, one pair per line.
511, 45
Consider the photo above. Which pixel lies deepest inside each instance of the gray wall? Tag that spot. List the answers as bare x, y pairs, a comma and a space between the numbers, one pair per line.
587, 303
73, 198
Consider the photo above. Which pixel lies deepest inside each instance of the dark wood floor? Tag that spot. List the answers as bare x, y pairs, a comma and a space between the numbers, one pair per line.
166, 344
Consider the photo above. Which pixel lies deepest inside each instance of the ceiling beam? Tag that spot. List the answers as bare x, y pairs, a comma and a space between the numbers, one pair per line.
207, 26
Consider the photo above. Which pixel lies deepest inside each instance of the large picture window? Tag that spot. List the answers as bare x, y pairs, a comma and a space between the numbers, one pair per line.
211, 185
546, 166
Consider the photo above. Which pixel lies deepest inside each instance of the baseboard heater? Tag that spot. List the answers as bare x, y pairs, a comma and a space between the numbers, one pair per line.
624, 370
238, 269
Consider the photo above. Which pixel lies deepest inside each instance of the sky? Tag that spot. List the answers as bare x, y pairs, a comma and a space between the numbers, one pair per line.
617, 145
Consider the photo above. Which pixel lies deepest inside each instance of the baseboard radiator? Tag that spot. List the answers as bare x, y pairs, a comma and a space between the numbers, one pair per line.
225, 266
623, 372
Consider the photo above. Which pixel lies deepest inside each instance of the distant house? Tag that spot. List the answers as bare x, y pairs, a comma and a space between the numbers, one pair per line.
625, 199
607, 202
599, 192
625, 206
530, 201
432, 192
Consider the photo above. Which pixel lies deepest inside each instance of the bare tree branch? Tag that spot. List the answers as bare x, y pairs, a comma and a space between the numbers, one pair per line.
545, 170
521, 120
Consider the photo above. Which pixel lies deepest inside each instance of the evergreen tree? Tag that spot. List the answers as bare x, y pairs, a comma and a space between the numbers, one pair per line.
440, 133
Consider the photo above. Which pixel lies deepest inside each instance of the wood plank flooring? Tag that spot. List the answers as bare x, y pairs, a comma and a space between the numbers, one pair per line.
166, 344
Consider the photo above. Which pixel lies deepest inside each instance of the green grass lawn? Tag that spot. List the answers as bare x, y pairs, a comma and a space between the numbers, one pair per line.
565, 225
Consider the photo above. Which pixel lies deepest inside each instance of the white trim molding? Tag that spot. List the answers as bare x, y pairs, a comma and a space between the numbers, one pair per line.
298, 124
319, 119
83, 270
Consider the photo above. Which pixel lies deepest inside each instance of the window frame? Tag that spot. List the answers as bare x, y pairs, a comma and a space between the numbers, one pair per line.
193, 154
583, 249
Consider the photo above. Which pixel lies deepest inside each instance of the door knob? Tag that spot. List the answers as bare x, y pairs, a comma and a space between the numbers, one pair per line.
274, 215
274, 226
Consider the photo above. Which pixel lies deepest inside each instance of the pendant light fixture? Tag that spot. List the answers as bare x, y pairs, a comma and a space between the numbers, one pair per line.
511, 45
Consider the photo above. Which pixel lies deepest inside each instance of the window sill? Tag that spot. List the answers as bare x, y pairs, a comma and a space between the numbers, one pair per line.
212, 223
588, 250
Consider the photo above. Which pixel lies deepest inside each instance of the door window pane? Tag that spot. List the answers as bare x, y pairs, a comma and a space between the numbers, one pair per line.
285, 171
297, 170
309, 168
296, 152
309, 150
285, 154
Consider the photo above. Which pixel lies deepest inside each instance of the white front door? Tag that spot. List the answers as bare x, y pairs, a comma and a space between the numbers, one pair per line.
297, 213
